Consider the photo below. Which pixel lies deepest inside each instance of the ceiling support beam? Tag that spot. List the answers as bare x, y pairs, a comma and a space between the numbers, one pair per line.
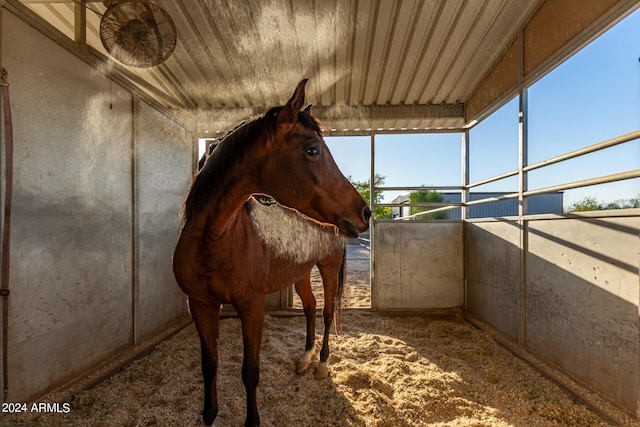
218, 120
382, 112
80, 22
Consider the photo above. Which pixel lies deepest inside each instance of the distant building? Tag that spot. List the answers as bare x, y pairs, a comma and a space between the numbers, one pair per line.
538, 204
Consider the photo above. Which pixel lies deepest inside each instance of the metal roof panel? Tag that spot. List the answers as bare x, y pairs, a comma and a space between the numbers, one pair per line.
235, 56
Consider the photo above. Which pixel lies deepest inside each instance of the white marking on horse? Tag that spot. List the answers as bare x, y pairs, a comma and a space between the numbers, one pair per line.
305, 361
291, 236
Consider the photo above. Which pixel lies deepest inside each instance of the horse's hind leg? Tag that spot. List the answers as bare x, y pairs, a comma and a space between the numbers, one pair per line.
206, 316
303, 289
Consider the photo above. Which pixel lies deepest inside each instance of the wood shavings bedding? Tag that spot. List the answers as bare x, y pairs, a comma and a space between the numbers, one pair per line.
385, 371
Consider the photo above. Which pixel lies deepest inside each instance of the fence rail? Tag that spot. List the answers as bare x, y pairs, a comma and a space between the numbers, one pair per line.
366, 243
444, 206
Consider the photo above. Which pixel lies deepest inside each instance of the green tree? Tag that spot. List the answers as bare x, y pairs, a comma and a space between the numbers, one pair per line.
585, 205
634, 202
423, 196
364, 190
591, 204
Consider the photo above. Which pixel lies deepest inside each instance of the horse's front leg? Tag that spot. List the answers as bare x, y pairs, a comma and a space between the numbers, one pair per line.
206, 316
252, 318
303, 289
330, 289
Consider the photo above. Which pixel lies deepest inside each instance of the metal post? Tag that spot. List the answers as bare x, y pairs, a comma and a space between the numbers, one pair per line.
135, 242
523, 154
6, 224
372, 222
523, 150
523, 210
464, 214
464, 197
4, 316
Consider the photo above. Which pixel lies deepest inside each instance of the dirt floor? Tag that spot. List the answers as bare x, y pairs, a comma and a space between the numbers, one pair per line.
385, 371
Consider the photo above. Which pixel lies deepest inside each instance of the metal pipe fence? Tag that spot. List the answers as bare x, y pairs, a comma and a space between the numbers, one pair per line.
444, 206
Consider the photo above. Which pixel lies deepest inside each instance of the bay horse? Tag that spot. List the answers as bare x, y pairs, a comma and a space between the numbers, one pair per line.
222, 258
310, 243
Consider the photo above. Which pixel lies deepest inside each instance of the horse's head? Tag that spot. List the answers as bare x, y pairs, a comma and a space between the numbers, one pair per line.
299, 171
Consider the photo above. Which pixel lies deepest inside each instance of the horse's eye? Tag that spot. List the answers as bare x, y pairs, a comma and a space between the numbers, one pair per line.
313, 151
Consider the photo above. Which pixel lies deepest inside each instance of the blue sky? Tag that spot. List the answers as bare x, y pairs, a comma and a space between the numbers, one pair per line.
593, 96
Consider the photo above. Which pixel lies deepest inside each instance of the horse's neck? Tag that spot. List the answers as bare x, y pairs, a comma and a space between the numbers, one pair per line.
231, 178
227, 204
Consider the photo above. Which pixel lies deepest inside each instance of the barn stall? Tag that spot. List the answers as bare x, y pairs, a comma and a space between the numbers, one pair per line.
104, 152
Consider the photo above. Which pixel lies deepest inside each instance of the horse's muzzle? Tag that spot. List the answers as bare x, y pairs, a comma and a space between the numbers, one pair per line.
353, 230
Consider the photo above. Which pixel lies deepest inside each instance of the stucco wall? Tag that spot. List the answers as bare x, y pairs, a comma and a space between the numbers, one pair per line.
81, 250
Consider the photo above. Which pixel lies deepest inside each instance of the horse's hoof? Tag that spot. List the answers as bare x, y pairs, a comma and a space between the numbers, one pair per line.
208, 422
305, 362
322, 371
302, 367
209, 416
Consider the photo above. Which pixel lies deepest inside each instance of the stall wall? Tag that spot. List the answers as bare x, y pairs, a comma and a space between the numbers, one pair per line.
163, 155
579, 298
493, 274
582, 301
76, 234
417, 265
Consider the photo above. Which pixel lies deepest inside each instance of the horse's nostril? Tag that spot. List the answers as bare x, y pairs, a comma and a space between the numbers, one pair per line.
366, 213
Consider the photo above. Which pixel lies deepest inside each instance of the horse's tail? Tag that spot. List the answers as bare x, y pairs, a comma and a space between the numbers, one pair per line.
340, 291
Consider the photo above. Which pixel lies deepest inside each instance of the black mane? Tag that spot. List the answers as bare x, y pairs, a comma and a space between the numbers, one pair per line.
229, 152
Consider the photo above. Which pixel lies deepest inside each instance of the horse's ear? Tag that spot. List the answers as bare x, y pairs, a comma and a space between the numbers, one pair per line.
307, 110
290, 111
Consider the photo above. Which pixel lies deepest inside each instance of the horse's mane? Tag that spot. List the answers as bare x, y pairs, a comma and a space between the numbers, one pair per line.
233, 146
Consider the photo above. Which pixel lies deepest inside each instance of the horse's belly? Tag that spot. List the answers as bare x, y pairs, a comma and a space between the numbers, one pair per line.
284, 274
233, 272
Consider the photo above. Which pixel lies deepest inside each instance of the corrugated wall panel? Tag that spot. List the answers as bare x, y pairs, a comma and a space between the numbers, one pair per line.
538, 204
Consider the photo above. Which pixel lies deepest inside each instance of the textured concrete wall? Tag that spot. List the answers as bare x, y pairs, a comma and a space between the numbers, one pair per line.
417, 265
582, 301
493, 274
580, 294
163, 158
76, 233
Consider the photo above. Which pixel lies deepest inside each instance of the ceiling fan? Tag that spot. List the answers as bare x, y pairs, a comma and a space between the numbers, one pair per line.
138, 33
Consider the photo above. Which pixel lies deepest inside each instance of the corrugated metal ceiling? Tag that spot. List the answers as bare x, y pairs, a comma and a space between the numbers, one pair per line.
372, 64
